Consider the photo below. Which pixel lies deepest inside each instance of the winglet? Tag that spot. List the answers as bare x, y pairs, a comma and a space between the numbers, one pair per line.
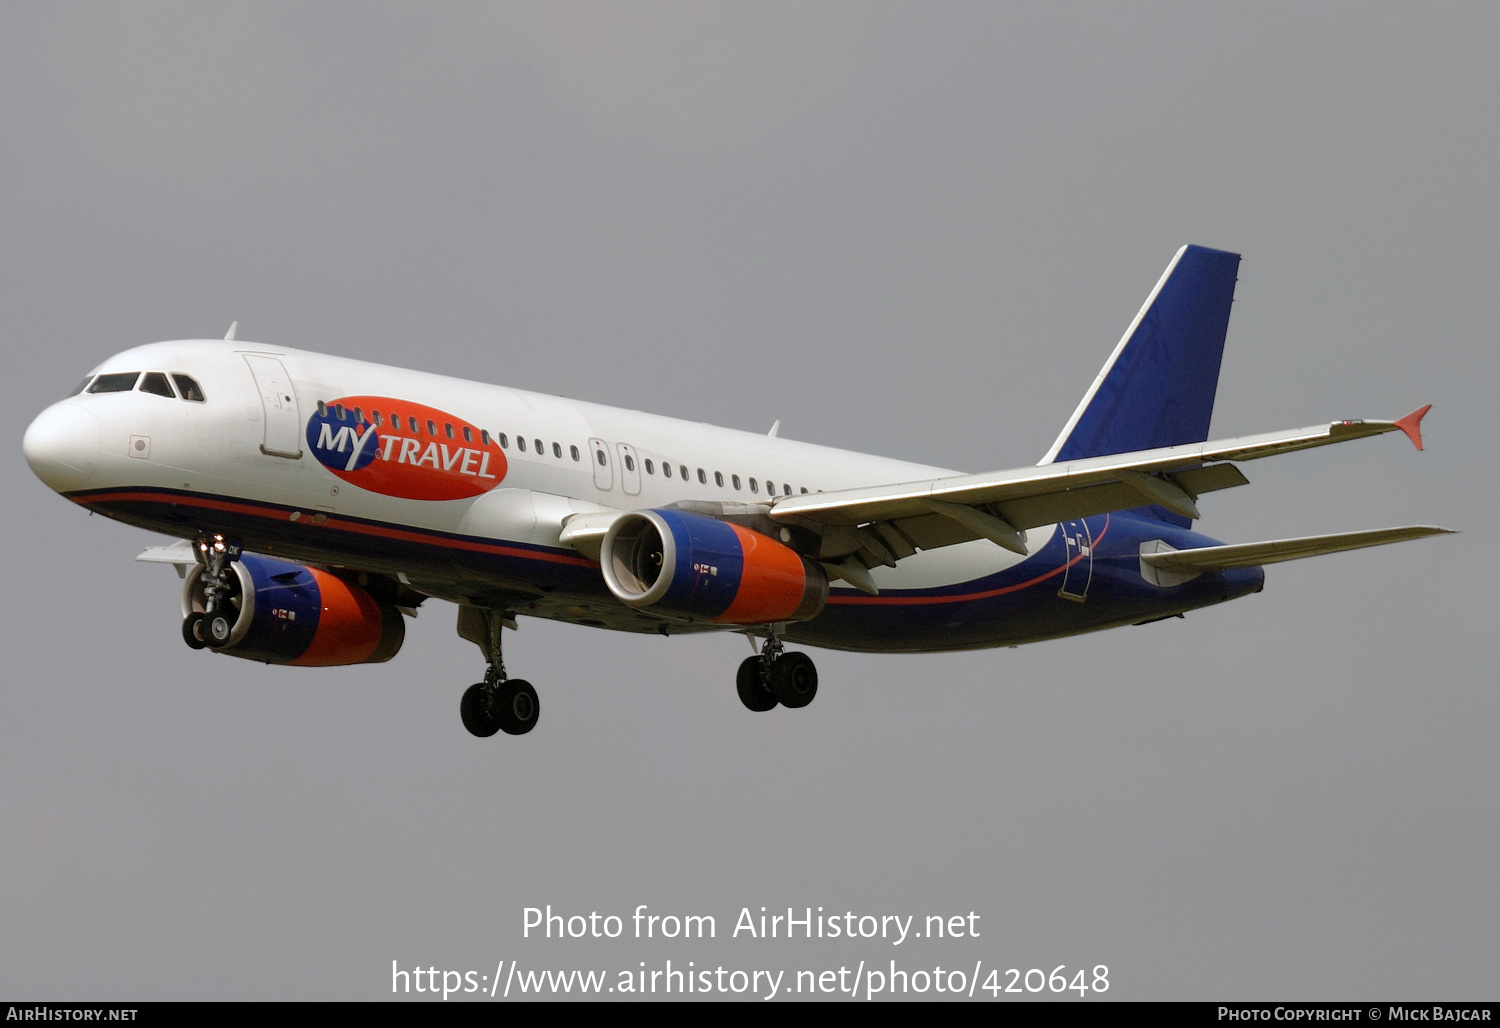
1412, 425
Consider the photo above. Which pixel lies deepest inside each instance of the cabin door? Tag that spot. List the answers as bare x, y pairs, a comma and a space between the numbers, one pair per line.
283, 436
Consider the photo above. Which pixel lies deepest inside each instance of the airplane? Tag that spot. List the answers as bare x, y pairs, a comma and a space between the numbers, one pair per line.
320, 500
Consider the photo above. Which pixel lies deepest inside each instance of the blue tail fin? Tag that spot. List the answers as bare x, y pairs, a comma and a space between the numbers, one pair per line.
1157, 388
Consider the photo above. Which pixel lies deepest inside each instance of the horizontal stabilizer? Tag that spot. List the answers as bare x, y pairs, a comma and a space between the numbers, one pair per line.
1245, 555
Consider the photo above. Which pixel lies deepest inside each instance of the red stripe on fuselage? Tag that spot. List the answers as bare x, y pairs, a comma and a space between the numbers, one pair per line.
965, 597
343, 525
418, 536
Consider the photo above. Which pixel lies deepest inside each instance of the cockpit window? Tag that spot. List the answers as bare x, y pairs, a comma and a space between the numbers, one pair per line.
121, 382
188, 387
156, 382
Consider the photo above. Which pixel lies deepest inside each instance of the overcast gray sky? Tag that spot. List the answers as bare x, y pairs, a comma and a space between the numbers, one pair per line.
912, 230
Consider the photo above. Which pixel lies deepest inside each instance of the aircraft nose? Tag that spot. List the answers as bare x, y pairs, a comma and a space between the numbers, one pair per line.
62, 445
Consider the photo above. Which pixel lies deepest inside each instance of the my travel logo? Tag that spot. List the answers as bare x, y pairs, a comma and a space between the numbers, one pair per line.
405, 449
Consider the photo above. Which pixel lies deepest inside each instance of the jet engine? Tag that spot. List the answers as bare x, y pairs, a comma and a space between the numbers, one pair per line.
285, 613
708, 570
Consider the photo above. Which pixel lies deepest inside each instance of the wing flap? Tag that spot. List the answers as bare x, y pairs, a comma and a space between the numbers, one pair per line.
1244, 555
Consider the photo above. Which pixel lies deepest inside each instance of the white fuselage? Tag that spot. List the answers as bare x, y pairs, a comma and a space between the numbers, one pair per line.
219, 448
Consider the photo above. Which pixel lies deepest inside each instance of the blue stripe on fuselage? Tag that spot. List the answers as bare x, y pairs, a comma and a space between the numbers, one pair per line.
1022, 603
1019, 604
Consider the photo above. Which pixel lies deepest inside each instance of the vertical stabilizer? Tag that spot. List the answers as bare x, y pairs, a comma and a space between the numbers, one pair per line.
1157, 388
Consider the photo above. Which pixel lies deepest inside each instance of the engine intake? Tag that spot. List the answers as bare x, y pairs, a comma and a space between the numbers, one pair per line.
286, 613
708, 569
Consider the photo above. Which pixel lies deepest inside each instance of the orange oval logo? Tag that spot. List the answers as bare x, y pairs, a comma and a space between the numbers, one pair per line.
405, 449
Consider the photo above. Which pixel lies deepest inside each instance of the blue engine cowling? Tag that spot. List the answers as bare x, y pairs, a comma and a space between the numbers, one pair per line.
286, 613
708, 570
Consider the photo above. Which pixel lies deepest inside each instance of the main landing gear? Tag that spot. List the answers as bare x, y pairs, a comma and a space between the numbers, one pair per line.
774, 676
499, 703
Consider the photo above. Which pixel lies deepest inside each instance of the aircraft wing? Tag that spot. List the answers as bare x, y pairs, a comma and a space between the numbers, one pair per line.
884, 524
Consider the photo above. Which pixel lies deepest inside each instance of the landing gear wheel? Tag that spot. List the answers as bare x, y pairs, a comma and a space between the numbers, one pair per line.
216, 629
750, 682
794, 679
516, 706
477, 710
498, 704
192, 631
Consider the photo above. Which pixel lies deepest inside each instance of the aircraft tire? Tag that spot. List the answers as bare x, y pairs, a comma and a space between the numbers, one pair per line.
472, 710
216, 629
794, 679
517, 707
753, 692
192, 631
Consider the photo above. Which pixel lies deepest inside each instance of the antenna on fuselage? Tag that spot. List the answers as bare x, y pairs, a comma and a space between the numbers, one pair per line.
774, 429
229, 336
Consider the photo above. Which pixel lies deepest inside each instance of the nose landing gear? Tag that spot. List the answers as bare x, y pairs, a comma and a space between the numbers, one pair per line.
214, 624
774, 676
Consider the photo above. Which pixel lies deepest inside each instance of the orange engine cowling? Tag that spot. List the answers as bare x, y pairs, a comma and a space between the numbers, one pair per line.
287, 613
707, 569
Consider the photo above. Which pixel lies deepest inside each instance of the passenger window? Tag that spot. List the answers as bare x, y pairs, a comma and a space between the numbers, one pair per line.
719, 479
188, 388
521, 443
541, 451
600, 455
448, 430
804, 489
431, 428
650, 468
338, 409
484, 436
682, 470
375, 417
504, 441
574, 451
666, 469
753, 487
736, 480
702, 478
770, 488
787, 488
412, 421
468, 434
122, 382
557, 450
629, 462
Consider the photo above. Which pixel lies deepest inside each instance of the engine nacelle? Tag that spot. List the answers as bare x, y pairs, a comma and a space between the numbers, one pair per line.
708, 569
289, 613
